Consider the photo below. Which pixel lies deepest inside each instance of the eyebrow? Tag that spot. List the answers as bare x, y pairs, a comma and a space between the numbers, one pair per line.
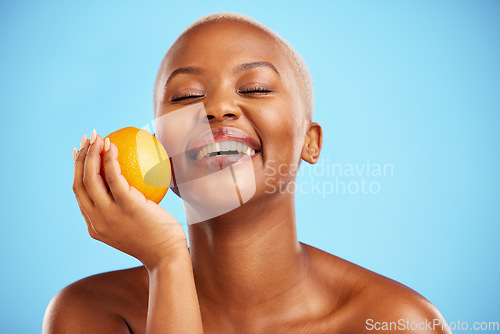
249, 66
239, 68
183, 70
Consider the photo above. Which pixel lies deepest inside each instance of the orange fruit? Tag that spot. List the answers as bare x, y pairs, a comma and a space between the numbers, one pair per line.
143, 161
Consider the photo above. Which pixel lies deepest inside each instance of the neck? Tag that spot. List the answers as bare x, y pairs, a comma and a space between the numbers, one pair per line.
245, 260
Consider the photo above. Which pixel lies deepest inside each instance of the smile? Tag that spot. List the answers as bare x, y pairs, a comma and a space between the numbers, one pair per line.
221, 147
227, 147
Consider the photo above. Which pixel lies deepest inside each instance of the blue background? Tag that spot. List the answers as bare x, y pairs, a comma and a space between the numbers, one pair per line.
412, 84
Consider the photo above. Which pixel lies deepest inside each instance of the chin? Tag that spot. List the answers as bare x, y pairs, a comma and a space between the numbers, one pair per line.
218, 193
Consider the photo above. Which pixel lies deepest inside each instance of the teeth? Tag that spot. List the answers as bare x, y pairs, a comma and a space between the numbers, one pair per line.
224, 146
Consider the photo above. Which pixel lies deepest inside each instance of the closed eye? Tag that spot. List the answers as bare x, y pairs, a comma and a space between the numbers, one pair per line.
257, 90
185, 97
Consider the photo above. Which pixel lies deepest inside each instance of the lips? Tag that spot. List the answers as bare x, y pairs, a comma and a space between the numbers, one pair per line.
221, 147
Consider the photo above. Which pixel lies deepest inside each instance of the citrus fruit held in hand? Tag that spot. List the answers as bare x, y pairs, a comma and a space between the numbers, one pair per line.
143, 161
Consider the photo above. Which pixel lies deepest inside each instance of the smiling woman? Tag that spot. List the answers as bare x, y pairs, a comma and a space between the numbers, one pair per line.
233, 102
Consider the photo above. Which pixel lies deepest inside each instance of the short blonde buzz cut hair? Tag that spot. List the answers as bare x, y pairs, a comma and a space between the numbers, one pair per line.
300, 69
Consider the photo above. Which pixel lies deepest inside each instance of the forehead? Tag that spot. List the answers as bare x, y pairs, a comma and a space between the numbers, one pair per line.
219, 44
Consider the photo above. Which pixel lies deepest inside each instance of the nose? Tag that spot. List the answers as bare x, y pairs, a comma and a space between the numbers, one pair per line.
222, 106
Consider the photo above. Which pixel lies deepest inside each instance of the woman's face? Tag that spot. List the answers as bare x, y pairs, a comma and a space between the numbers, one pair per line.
241, 78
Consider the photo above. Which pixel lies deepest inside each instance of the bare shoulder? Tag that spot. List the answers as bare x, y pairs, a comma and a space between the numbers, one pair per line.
112, 302
386, 306
372, 303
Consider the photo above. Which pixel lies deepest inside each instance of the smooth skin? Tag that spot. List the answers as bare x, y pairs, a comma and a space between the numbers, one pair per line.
245, 272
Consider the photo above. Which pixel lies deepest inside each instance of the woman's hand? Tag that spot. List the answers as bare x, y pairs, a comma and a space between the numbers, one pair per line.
121, 216
124, 219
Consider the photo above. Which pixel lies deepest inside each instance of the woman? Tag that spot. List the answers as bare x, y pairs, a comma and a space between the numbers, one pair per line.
245, 271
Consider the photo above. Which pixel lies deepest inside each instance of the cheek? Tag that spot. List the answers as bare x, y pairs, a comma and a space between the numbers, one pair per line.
283, 137
283, 132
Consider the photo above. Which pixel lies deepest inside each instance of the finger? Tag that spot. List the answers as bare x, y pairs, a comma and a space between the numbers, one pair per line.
118, 185
92, 179
81, 194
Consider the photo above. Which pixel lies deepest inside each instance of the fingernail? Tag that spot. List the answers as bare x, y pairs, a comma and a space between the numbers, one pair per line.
93, 136
107, 145
75, 153
84, 140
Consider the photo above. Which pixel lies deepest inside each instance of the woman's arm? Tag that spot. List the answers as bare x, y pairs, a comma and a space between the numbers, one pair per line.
124, 219
173, 302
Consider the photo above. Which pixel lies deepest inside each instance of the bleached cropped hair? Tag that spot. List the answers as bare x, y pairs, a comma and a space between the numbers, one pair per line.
301, 71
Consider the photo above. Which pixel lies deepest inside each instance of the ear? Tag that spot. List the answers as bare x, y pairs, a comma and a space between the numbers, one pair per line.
312, 143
